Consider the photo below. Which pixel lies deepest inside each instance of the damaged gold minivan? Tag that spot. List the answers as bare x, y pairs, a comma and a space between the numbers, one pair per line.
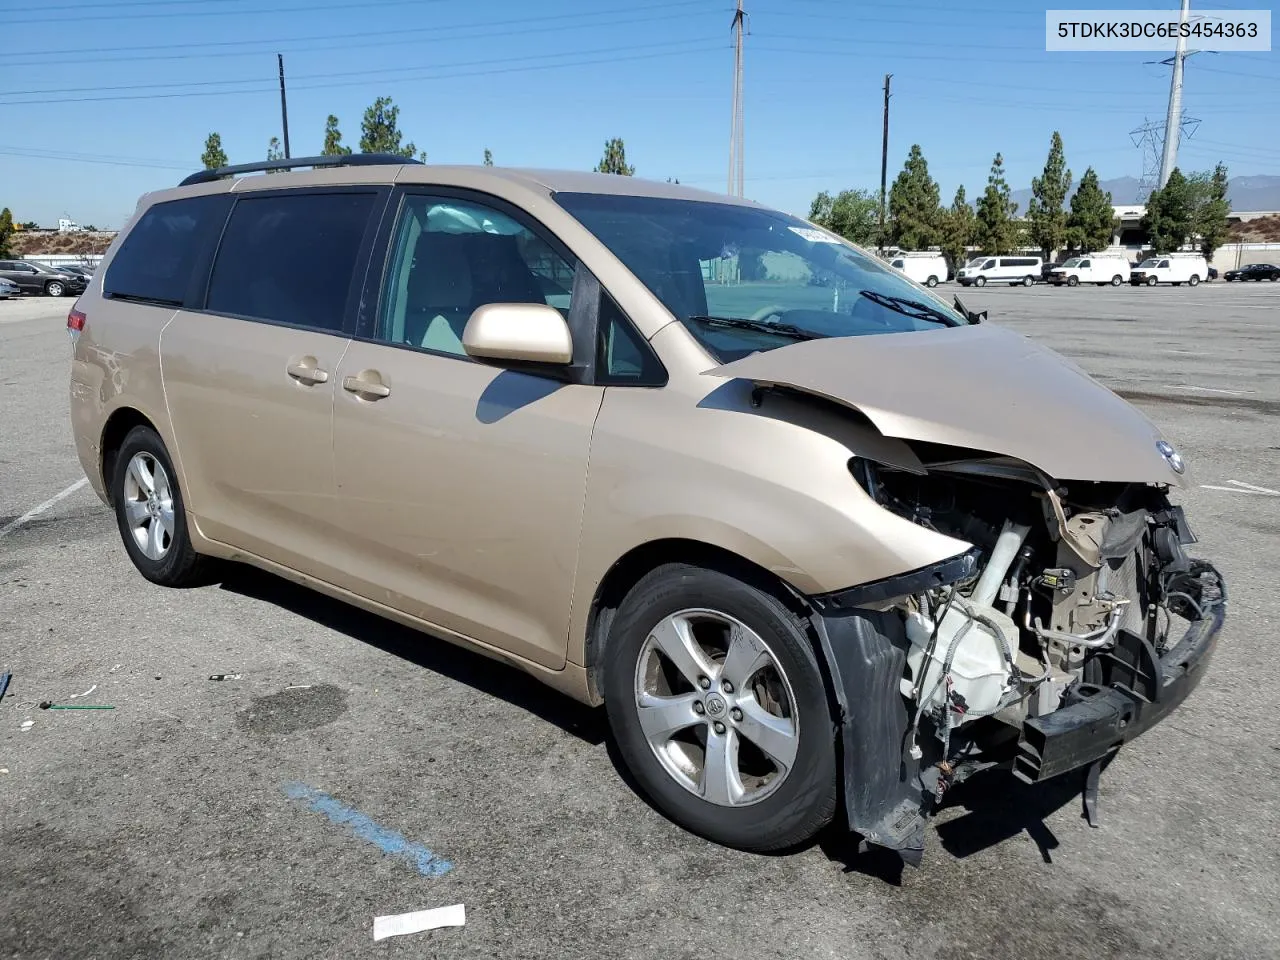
822, 543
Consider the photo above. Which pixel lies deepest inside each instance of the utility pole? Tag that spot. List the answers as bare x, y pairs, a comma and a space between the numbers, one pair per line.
736, 140
284, 106
1173, 122
884, 159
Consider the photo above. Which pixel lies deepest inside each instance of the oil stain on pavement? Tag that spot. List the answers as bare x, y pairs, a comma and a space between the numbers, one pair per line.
289, 711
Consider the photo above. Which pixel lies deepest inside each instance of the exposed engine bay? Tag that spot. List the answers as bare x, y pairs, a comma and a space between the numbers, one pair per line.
1072, 592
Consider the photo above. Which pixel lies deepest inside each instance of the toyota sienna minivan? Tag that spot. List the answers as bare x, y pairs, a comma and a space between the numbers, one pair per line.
822, 543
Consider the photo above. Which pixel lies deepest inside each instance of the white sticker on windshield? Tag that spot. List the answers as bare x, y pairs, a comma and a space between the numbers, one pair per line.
813, 236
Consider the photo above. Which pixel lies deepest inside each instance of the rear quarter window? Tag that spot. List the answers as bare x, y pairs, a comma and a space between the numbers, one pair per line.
155, 261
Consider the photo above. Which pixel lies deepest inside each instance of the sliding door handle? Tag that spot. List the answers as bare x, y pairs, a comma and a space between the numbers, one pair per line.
307, 373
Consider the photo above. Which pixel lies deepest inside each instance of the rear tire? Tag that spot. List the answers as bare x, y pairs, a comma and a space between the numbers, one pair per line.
1194, 281
931, 282
1028, 281
682, 607
1117, 280
150, 512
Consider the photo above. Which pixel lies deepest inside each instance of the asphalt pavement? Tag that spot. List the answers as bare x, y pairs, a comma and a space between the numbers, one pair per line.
353, 768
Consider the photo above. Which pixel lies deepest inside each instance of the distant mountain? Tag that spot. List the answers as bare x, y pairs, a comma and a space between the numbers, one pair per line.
1245, 193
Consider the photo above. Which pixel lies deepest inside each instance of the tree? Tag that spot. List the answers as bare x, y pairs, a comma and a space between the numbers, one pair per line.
1045, 213
1092, 221
333, 139
29, 225
380, 131
996, 231
615, 159
274, 152
6, 231
853, 214
1168, 217
214, 156
914, 208
488, 157
957, 229
1210, 208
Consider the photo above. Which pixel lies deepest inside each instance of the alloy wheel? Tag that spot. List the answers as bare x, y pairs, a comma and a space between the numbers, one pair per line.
148, 505
716, 707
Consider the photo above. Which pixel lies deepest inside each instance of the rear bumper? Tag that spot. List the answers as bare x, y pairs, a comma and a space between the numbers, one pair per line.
1102, 719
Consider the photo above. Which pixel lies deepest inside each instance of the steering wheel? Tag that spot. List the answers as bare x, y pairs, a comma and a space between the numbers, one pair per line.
773, 310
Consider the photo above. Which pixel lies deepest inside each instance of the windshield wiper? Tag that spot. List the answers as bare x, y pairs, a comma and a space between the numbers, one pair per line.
742, 323
909, 308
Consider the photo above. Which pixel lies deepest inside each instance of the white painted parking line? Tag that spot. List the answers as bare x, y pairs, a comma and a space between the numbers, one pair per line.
1238, 486
37, 510
1188, 386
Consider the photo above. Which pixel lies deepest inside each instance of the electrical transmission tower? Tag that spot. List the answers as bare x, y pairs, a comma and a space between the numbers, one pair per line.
736, 142
1150, 139
1159, 141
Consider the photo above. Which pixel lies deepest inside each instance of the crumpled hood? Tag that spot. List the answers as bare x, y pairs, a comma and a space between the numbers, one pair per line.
980, 387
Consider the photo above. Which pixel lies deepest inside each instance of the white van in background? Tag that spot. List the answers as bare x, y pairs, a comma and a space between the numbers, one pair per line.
1099, 268
929, 269
1175, 268
1009, 269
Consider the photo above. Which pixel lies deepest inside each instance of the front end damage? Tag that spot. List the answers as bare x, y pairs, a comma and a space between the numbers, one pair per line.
1076, 622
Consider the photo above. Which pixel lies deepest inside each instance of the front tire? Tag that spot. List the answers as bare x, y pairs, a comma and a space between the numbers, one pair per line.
54, 288
1151, 281
980, 282
150, 513
718, 708
1073, 281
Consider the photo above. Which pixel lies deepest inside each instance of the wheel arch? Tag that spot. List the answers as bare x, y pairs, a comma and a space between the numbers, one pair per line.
117, 426
628, 570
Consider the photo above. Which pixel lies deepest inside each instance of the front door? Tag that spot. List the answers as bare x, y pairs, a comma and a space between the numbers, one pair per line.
460, 484
250, 379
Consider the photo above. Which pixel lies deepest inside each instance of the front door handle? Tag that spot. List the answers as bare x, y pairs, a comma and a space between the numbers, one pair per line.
370, 389
307, 373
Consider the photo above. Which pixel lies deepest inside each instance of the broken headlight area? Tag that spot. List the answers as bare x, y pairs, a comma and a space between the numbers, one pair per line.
1076, 622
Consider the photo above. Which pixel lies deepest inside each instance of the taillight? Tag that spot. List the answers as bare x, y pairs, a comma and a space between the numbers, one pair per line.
75, 321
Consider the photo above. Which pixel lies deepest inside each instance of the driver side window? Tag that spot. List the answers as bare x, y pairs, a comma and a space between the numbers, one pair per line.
449, 257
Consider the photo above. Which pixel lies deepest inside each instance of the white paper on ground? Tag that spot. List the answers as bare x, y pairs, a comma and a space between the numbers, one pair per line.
395, 926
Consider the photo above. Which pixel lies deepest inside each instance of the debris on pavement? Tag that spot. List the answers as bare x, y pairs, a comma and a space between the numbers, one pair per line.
299, 686
4, 682
27, 725
400, 924
77, 696
225, 676
46, 705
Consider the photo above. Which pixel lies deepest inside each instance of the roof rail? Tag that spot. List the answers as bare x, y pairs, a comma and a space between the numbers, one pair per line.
342, 160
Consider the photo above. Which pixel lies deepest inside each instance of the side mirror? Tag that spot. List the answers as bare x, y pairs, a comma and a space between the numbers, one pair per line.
526, 332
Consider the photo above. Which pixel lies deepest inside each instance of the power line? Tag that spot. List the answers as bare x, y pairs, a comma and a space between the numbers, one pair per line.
343, 41
224, 13
687, 47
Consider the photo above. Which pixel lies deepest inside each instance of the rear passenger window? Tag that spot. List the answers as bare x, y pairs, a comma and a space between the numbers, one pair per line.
289, 258
156, 258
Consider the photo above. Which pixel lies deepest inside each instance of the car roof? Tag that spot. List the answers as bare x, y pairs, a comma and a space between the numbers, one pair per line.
533, 180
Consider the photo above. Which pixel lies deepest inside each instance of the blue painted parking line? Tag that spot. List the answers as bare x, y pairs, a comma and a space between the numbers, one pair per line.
360, 826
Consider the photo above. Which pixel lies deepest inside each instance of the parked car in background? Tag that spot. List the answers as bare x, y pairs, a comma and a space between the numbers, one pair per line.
1174, 268
76, 270
1213, 273
1097, 268
929, 269
1010, 270
1047, 268
821, 552
1254, 271
37, 278
8, 289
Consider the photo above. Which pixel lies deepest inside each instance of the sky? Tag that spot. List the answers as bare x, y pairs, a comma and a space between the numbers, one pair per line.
104, 100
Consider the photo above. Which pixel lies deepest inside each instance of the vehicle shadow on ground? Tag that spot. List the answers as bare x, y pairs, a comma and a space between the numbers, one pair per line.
997, 808
490, 677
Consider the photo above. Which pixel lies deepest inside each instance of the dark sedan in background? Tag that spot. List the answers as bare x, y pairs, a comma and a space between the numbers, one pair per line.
1254, 271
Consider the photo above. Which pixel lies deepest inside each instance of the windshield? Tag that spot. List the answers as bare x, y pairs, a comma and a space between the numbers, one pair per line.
1073, 262
1149, 263
744, 279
